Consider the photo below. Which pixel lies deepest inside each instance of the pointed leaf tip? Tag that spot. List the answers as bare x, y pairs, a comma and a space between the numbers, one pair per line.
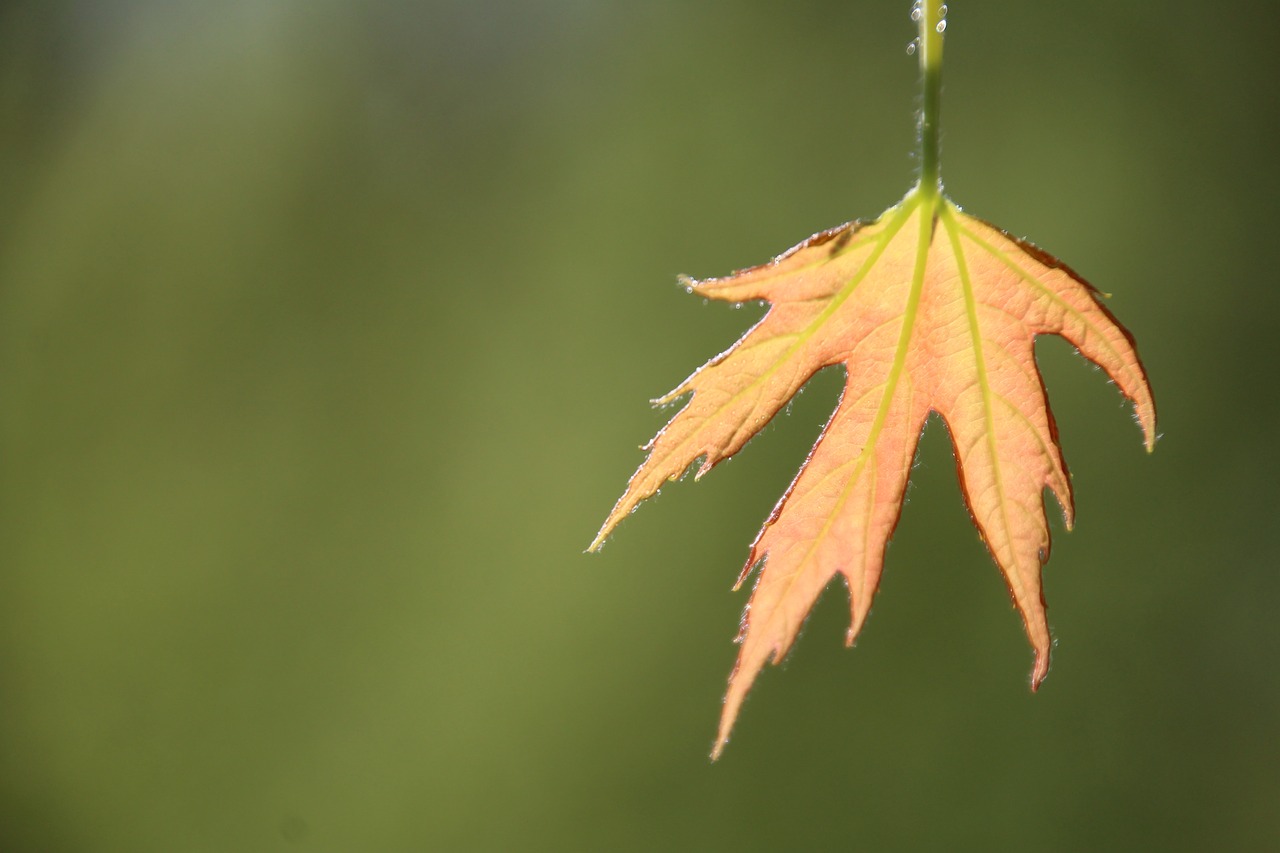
1040, 669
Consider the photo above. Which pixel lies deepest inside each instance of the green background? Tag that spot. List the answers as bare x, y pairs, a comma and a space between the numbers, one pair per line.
326, 331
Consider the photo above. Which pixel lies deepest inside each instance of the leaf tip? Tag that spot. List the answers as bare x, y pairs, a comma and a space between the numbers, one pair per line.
620, 511
1040, 669
728, 716
855, 626
598, 542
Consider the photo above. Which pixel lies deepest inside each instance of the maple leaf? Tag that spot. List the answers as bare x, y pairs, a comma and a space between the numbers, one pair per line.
927, 309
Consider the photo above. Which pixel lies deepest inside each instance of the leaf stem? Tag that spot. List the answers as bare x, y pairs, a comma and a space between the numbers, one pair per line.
932, 17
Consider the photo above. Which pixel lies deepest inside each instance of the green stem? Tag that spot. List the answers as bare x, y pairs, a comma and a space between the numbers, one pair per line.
932, 15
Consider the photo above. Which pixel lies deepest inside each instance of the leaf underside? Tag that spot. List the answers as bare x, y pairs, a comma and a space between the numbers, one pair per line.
929, 310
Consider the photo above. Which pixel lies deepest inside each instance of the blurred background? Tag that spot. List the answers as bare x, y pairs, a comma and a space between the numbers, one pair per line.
326, 335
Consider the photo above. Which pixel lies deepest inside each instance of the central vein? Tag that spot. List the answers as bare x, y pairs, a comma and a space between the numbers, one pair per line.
927, 202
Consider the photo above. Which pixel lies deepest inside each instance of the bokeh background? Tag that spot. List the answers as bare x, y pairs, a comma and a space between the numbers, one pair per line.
326, 331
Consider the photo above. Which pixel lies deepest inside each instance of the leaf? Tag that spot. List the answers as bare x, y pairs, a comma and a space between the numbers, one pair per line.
927, 309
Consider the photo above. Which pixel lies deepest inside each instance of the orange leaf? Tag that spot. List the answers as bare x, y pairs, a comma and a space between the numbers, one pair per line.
929, 310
